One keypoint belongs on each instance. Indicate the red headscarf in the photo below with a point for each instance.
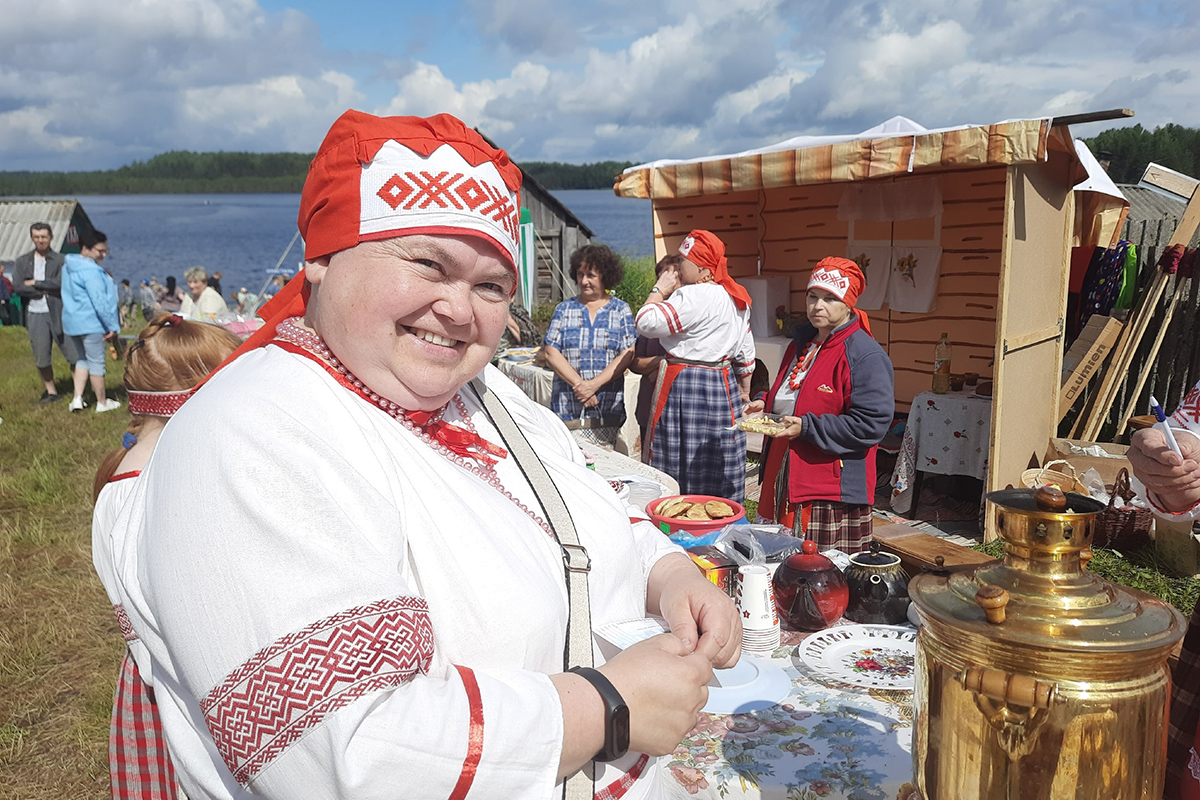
(381, 177)
(706, 251)
(843, 278)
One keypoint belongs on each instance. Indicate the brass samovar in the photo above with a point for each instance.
(1037, 679)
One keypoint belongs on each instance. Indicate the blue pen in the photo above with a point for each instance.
(1162, 425)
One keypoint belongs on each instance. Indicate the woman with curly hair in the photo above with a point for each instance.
(589, 344)
(170, 357)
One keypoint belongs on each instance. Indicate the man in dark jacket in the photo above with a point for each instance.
(37, 277)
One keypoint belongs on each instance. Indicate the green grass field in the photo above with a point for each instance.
(60, 646)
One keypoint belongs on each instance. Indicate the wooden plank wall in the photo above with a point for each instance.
(732, 216)
(790, 229)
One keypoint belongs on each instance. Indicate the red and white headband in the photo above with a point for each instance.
(158, 404)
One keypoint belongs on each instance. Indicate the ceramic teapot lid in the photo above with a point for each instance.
(808, 559)
(875, 558)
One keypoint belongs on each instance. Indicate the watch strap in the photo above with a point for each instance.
(616, 714)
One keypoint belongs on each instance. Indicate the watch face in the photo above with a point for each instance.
(620, 731)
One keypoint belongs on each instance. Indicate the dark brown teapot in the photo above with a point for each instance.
(878, 588)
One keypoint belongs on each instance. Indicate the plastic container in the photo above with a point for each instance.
(692, 526)
(941, 365)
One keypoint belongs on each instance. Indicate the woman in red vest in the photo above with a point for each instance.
(836, 392)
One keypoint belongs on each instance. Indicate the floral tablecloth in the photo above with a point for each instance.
(945, 433)
(823, 741)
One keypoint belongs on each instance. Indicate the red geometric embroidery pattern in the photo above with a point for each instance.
(446, 190)
(1189, 409)
(291, 685)
(126, 626)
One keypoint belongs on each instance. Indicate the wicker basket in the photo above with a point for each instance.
(1044, 476)
(1122, 528)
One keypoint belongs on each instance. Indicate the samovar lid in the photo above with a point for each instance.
(1039, 595)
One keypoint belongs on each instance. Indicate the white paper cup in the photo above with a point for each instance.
(756, 598)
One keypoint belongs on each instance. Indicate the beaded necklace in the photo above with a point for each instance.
(309, 343)
(804, 362)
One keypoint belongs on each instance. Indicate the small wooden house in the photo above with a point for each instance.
(990, 208)
(557, 234)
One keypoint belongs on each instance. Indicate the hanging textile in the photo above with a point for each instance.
(1102, 284)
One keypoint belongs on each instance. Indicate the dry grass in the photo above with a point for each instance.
(60, 646)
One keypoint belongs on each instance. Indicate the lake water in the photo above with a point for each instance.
(244, 235)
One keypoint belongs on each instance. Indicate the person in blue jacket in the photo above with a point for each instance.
(90, 316)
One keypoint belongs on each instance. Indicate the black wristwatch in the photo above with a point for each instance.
(616, 715)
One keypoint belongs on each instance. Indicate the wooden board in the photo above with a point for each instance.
(1087, 354)
(918, 550)
(1033, 297)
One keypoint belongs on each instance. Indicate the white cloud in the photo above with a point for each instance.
(561, 79)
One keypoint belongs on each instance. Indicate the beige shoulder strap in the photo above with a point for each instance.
(576, 562)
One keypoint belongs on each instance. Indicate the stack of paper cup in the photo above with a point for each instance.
(756, 602)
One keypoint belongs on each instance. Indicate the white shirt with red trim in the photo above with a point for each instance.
(1185, 421)
(109, 502)
(333, 609)
(700, 322)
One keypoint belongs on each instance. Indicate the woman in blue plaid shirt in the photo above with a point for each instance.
(589, 345)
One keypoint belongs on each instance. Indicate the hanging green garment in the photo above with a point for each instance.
(1128, 278)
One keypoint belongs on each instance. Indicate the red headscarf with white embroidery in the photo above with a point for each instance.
(706, 251)
(383, 177)
(843, 278)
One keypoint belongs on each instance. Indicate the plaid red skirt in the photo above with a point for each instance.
(834, 525)
(1185, 709)
(138, 762)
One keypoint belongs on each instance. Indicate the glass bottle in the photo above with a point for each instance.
(941, 365)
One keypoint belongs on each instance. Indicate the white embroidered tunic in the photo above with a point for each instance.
(700, 322)
(334, 609)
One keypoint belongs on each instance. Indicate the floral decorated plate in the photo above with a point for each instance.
(870, 656)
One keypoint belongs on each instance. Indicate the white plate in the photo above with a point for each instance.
(870, 656)
(751, 684)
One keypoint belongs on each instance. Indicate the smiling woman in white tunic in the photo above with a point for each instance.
(382, 611)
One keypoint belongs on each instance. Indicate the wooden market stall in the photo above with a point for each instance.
(978, 219)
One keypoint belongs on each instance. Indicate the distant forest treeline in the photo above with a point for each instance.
(1133, 148)
(183, 172)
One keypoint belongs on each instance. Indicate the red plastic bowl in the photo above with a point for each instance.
(695, 527)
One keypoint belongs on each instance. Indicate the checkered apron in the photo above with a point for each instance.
(834, 525)
(138, 763)
(690, 440)
(1185, 710)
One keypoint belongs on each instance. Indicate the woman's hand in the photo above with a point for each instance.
(753, 407)
(665, 685)
(667, 283)
(700, 614)
(586, 389)
(795, 425)
(1174, 481)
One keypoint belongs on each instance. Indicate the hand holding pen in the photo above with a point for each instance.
(1161, 424)
(1169, 470)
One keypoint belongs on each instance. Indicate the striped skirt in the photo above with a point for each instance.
(690, 436)
(834, 525)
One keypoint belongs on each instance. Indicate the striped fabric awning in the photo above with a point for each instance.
(877, 153)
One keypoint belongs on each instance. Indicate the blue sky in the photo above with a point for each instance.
(94, 84)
